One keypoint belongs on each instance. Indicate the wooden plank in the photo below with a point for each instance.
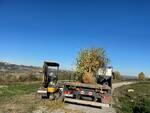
(84, 102)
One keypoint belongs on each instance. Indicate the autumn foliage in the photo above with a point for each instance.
(89, 61)
(89, 78)
(141, 76)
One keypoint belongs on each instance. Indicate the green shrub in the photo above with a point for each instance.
(22, 78)
(33, 78)
(142, 106)
(133, 102)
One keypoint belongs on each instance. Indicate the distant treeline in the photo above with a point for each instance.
(20, 73)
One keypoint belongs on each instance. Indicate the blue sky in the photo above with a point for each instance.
(32, 31)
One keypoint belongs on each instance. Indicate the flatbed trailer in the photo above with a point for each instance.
(87, 94)
(92, 86)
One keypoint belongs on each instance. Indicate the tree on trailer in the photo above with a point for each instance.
(89, 62)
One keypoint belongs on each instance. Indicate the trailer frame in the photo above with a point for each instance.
(76, 92)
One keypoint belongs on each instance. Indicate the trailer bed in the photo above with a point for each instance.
(92, 86)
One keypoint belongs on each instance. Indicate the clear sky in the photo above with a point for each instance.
(32, 31)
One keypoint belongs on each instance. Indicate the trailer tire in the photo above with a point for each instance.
(94, 99)
(99, 100)
(78, 96)
(106, 83)
(44, 97)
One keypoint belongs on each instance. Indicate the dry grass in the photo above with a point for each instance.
(28, 103)
(19, 104)
(19, 78)
(22, 98)
(72, 111)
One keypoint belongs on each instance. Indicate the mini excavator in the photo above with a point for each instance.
(50, 88)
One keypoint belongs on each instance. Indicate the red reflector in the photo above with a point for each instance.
(68, 92)
(65, 92)
(90, 93)
(82, 92)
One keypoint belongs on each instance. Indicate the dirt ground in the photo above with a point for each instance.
(30, 103)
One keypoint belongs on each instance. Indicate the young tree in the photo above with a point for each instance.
(117, 75)
(89, 61)
(141, 76)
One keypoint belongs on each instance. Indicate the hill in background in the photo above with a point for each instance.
(14, 69)
(23, 72)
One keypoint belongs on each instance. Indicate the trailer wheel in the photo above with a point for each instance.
(44, 97)
(94, 99)
(78, 96)
(99, 100)
(58, 95)
(105, 83)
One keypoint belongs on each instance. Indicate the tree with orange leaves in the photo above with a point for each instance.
(89, 61)
(141, 76)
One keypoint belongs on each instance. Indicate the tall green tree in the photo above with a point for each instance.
(89, 61)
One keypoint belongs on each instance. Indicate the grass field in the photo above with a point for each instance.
(22, 98)
(18, 97)
(10, 91)
(133, 98)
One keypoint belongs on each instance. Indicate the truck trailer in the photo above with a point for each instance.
(98, 95)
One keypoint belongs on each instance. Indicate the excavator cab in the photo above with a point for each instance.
(50, 71)
(49, 88)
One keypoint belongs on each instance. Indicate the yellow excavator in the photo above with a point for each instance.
(50, 87)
